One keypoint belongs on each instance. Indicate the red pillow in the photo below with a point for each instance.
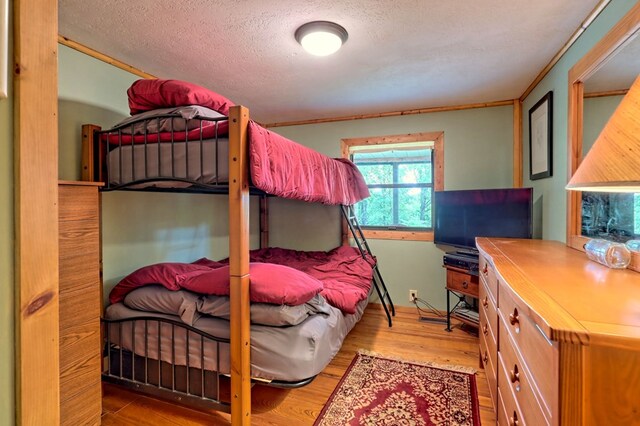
(270, 283)
(145, 95)
(160, 273)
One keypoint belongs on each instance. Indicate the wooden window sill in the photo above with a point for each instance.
(398, 235)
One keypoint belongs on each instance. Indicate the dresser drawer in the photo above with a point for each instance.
(540, 354)
(516, 378)
(462, 283)
(507, 410)
(489, 363)
(489, 343)
(488, 274)
(488, 313)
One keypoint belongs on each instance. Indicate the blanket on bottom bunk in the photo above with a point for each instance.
(288, 353)
(190, 307)
(278, 276)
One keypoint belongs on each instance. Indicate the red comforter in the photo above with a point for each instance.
(344, 275)
(287, 169)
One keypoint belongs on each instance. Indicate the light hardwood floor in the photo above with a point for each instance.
(408, 338)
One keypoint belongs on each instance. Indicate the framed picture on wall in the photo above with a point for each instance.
(540, 138)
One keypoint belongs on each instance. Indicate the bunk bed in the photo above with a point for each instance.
(166, 340)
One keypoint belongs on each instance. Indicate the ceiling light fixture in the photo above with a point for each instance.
(321, 38)
(613, 162)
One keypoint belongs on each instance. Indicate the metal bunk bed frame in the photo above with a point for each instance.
(138, 374)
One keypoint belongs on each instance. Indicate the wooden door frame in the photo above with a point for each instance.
(35, 118)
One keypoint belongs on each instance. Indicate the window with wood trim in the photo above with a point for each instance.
(402, 172)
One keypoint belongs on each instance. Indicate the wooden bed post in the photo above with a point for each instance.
(89, 173)
(239, 266)
(264, 221)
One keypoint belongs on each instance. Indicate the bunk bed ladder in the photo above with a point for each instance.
(356, 231)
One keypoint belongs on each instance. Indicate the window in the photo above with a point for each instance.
(401, 172)
(401, 184)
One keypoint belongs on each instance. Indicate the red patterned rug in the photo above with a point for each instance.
(381, 391)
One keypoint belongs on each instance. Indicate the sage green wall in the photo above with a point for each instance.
(138, 228)
(7, 324)
(89, 92)
(596, 113)
(478, 146)
(550, 192)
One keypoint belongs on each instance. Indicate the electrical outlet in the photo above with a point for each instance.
(413, 295)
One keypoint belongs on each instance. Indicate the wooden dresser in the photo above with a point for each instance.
(80, 303)
(560, 335)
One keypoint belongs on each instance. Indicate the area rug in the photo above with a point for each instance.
(377, 390)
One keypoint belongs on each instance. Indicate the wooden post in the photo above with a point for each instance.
(89, 154)
(517, 143)
(35, 77)
(574, 154)
(239, 266)
(264, 221)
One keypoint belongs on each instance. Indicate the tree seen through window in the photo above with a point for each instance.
(401, 184)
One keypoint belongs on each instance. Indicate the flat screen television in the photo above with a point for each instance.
(461, 216)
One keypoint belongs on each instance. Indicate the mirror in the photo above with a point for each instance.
(605, 88)
(614, 217)
(597, 83)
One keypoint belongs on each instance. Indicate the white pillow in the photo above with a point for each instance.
(149, 121)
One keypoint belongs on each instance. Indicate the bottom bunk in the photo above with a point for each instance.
(174, 343)
(281, 356)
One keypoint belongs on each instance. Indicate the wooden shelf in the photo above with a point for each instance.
(465, 320)
(462, 283)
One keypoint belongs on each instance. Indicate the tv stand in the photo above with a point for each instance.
(462, 283)
(471, 253)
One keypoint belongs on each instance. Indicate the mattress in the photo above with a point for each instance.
(129, 163)
(289, 353)
(278, 166)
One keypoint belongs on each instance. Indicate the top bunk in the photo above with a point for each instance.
(177, 140)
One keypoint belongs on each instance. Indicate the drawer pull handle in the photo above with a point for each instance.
(514, 319)
(465, 284)
(514, 376)
(485, 302)
(485, 270)
(485, 358)
(513, 421)
(485, 330)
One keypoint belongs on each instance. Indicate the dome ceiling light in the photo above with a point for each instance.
(321, 38)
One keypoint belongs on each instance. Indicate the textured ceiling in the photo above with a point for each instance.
(401, 54)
